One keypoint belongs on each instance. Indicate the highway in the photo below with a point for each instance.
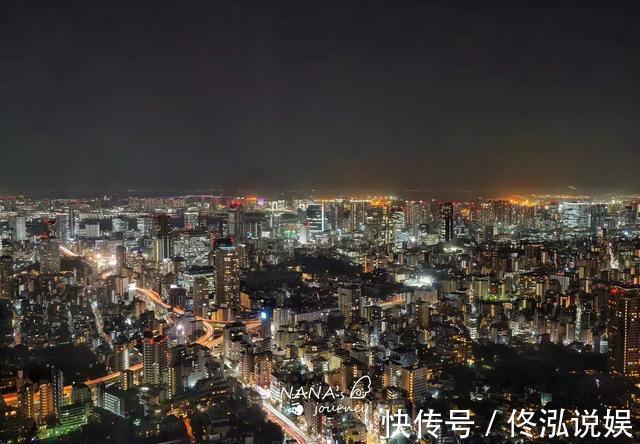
(289, 427)
(208, 340)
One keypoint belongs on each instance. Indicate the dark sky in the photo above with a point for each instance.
(120, 94)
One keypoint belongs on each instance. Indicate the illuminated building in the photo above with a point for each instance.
(624, 332)
(349, 300)
(6, 277)
(164, 240)
(227, 276)
(46, 402)
(414, 381)
(26, 400)
(57, 385)
(144, 225)
(19, 228)
(446, 222)
(200, 291)
(49, 254)
(315, 218)
(155, 359)
(120, 354)
(191, 220)
(574, 215)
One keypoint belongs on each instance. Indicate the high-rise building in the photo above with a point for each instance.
(230, 334)
(574, 215)
(19, 227)
(57, 385)
(446, 222)
(200, 291)
(62, 227)
(46, 402)
(191, 220)
(155, 359)
(144, 225)
(227, 276)
(121, 349)
(6, 277)
(624, 332)
(49, 254)
(26, 400)
(349, 301)
(315, 218)
(163, 235)
(71, 223)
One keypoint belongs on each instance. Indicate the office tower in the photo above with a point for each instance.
(49, 253)
(80, 393)
(92, 229)
(62, 227)
(144, 225)
(163, 235)
(235, 223)
(178, 297)
(423, 313)
(6, 277)
(26, 400)
(121, 350)
(315, 218)
(574, 215)
(446, 222)
(265, 325)
(57, 385)
(414, 381)
(155, 359)
(624, 332)
(121, 255)
(349, 300)
(46, 401)
(227, 276)
(18, 225)
(231, 333)
(191, 220)
(71, 223)
(598, 216)
(119, 224)
(200, 296)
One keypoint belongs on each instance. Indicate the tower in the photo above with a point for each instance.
(155, 359)
(446, 222)
(227, 276)
(624, 332)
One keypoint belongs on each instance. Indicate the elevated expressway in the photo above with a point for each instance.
(207, 339)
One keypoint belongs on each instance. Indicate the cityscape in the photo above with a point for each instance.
(319, 222)
(245, 319)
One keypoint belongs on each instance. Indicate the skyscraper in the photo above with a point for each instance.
(315, 218)
(227, 276)
(155, 359)
(6, 277)
(121, 350)
(57, 385)
(19, 227)
(26, 400)
(624, 332)
(200, 296)
(446, 222)
(163, 235)
(49, 254)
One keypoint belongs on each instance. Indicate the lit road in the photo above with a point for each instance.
(289, 427)
(206, 340)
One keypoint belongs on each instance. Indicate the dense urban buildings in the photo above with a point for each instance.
(416, 304)
(408, 222)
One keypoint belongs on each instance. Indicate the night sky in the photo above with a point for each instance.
(345, 95)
